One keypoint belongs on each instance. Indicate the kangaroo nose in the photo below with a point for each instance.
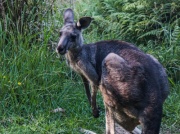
(61, 50)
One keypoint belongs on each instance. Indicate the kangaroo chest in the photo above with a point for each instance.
(86, 55)
(71, 61)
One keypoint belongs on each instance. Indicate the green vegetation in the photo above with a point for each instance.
(34, 80)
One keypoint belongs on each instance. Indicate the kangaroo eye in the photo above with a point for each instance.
(73, 36)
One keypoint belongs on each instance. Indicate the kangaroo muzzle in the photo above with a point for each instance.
(62, 45)
(61, 50)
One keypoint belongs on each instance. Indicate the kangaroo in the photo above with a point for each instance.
(133, 84)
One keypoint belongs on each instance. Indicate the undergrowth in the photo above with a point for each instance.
(34, 80)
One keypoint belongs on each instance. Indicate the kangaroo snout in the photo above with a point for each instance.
(61, 50)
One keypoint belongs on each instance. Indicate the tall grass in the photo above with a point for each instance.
(34, 80)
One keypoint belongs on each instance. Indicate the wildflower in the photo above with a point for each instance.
(19, 83)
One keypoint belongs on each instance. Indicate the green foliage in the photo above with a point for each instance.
(137, 21)
(25, 17)
(171, 111)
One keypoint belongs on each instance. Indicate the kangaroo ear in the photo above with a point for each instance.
(83, 22)
(68, 16)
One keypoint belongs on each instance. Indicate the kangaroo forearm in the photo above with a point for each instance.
(89, 72)
(87, 89)
(95, 110)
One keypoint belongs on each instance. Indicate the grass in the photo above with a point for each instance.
(41, 120)
(34, 80)
(33, 83)
(171, 116)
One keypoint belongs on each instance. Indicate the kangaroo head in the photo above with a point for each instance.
(71, 33)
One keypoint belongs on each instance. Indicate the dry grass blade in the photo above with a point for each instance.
(86, 131)
(58, 110)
